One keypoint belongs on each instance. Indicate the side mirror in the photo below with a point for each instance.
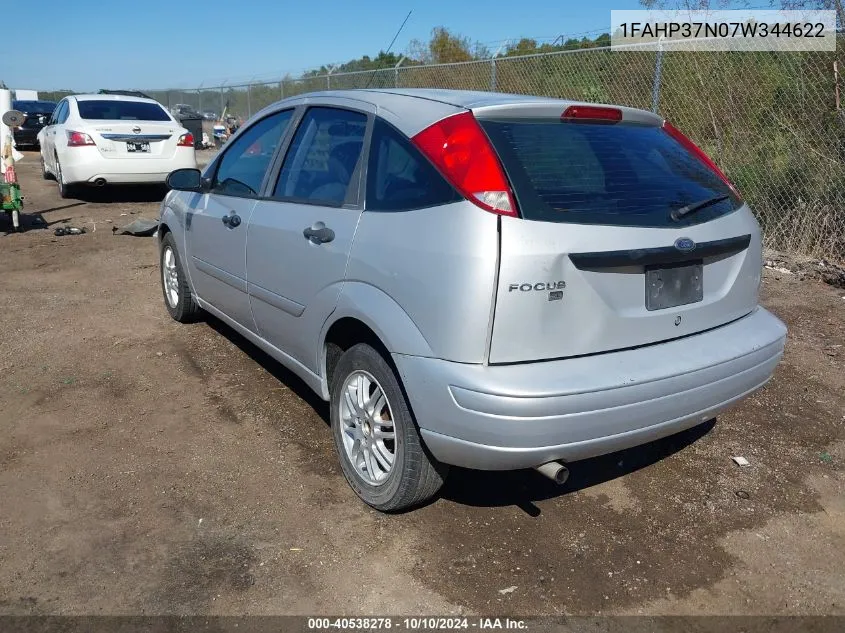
(185, 180)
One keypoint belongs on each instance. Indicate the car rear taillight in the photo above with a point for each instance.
(699, 153)
(591, 113)
(78, 139)
(186, 140)
(460, 149)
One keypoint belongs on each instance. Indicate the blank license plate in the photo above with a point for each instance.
(670, 285)
(137, 147)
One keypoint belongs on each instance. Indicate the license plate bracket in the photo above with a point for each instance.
(139, 146)
(672, 285)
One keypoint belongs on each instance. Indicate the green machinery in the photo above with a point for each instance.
(11, 201)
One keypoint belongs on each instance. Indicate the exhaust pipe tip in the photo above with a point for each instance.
(100, 182)
(556, 471)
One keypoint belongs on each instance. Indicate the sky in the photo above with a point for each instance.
(159, 44)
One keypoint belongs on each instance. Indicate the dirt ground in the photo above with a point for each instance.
(148, 467)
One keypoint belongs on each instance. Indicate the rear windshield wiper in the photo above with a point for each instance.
(677, 214)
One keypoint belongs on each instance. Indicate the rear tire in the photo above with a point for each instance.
(44, 173)
(368, 407)
(178, 298)
(65, 190)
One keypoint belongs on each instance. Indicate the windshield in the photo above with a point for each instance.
(113, 110)
(34, 107)
(596, 173)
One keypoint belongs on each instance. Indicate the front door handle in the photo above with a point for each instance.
(232, 220)
(318, 233)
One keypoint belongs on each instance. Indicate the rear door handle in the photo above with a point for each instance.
(233, 220)
(318, 233)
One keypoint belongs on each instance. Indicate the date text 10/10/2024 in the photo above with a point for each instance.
(415, 624)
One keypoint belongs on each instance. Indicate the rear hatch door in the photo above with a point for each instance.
(597, 262)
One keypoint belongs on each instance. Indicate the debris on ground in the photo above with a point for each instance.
(740, 461)
(827, 458)
(142, 227)
(805, 268)
(69, 230)
(507, 590)
(780, 269)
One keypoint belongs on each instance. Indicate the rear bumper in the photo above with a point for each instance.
(117, 178)
(517, 416)
(85, 164)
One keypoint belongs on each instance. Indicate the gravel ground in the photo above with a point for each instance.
(148, 467)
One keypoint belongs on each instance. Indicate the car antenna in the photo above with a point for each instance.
(392, 42)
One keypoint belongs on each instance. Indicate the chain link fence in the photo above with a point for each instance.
(771, 120)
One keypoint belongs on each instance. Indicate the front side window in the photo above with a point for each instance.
(241, 169)
(322, 157)
(399, 177)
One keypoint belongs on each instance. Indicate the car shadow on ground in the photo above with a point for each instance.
(108, 194)
(36, 221)
(33, 221)
(271, 365)
(490, 489)
(522, 488)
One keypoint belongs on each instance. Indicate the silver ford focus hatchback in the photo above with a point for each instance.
(476, 279)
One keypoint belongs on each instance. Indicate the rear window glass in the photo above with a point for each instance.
(620, 174)
(34, 107)
(122, 111)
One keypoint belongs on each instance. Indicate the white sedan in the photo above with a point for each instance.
(112, 139)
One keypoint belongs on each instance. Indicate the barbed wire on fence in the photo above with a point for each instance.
(771, 120)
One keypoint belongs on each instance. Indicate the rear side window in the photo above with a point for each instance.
(62, 112)
(322, 157)
(121, 111)
(595, 173)
(399, 177)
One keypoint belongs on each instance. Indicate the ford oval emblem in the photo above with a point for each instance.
(684, 244)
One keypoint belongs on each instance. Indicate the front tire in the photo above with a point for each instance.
(178, 298)
(380, 450)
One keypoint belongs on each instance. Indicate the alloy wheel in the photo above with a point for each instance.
(369, 436)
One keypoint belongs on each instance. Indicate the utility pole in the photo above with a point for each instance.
(396, 71)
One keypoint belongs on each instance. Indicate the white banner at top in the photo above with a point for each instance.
(724, 30)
